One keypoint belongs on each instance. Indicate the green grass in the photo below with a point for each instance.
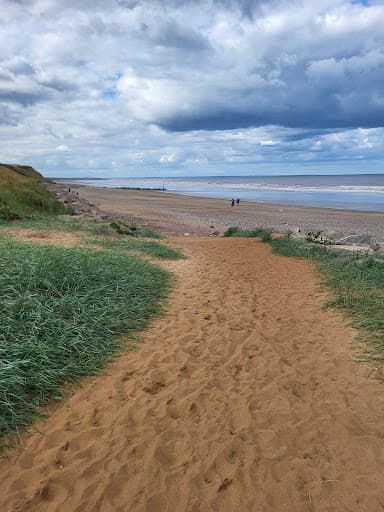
(262, 233)
(16, 171)
(149, 248)
(148, 233)
(73, 224)
(61, 311)
(65, 223)
(296, 248)
(18, 201)
(27, 199)
(122, 228)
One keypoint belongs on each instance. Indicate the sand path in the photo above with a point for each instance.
(243, 398)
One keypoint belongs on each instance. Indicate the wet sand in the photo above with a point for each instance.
(176, 214)
(243, 397)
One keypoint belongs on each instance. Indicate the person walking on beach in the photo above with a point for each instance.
(232, 202)
(237, 201)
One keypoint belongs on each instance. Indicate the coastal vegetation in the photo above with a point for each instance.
(355, 280)
(61, 311)
(65, 311)
(68, 223)
(23, 194)
(262, 233)
(122, 228)
(150, 248)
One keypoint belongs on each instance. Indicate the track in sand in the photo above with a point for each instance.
(244, 397)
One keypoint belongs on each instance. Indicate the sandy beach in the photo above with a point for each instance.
(244, 396)
(177, 214)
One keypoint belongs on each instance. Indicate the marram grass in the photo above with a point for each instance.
(61, 313)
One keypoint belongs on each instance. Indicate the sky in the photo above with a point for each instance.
(130, 88)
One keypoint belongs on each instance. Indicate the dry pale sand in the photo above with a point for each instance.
(244, 397)
(176, 214)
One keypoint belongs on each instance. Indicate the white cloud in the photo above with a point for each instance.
(62, 148)
(269, 142)
(196, 84)
(167, 159)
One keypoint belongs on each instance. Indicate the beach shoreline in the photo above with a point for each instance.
(350, 192)
(175, 214)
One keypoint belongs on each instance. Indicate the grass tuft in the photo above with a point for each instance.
(123, 228)
(262, 233)
(149, 248)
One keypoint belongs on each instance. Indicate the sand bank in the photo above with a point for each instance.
(176, 214)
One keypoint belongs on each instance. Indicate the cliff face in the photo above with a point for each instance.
(18, 174)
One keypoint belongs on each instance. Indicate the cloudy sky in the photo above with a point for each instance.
(192, 87)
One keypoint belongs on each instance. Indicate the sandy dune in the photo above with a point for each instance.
(244, 397)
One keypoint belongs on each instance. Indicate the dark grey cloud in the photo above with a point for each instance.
(304, 135)
(314, 70)
(293, 105)
(290, 117)
(25, 99)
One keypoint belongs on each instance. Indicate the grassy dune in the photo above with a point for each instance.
(23, 194)
(63, 311)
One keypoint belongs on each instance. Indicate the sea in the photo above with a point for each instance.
(354, 192)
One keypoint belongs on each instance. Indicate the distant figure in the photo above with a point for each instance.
(69, 190)
(233, 202)
(237, 201)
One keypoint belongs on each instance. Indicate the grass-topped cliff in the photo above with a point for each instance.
(23, 194)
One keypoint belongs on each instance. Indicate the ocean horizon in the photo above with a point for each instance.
(363, 192)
